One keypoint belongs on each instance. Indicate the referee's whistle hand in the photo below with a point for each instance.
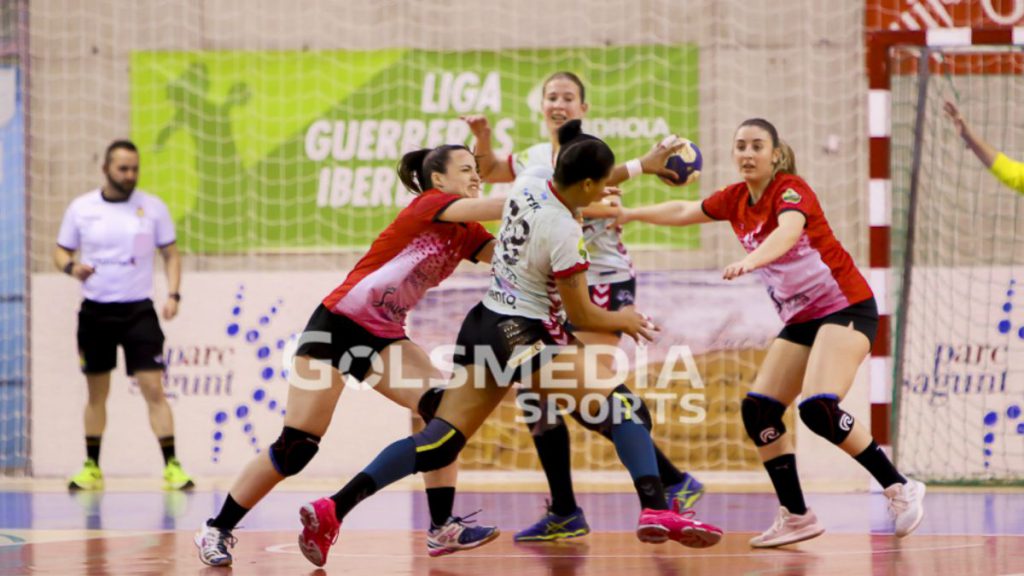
(82, 271)
(170, 309)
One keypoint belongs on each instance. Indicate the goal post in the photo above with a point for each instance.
(946, 249)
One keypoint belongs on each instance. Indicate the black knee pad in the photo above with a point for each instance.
(539, 417)
(762, 417)
(428, 403)
(292, 450)
(822, 414)
(623, 404)
(437, 445)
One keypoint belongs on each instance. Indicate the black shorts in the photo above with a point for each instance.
(342, 334)
(863, 315)
(516, 346)
(612, 296)
(102, 327)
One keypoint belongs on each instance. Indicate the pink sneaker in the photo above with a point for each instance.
(319, 530)
(789, 528)
(657, 526)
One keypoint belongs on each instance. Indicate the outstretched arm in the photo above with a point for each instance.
(982, 149)
(673, 213)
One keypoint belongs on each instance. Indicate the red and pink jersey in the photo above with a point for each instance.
(817, 276)
(412, 255)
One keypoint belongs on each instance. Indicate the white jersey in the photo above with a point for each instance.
(609, 260)
(118, 239)
(539, 241)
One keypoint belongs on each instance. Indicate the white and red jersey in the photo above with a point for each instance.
(610, 262)
(539, 241)
(412, 255)
(817, 276)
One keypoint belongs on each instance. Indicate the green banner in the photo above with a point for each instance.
(294, 151)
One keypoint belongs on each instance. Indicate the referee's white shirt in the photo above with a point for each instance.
(118, 239)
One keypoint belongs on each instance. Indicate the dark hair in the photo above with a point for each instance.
(764, 125)
(581, 156)
(118, 145)
(565, 76)
(787, 158)
(416, 168)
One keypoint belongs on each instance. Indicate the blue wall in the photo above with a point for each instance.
(13, 328)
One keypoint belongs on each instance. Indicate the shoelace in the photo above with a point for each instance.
(780, 521)
(464, 520)
(899, 503)
(223, 541)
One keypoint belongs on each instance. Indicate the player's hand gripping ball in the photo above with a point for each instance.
(687, 163)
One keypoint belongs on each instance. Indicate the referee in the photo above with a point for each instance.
(116, 228)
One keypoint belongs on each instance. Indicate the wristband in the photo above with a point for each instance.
(69, 267)
(176, 296)
(634, 168)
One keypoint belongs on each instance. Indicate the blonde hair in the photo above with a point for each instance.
(787, 160)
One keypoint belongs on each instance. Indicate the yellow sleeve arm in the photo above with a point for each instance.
(1009, 172)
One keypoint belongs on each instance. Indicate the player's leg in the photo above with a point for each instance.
(611, 408)
(405, 379)
(90, 477)
(315, 385)
(97, 351)
(308, 413)
(461, 412)
(840, 348)
(143, 343)
(776, 387)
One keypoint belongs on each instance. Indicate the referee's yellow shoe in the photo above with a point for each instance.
(175, 478)
(90, 477)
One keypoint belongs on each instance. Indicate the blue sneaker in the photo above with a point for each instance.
(456, 535)
(684, 495)
(555, 527)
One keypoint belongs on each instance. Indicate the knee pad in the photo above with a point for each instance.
(537, 413)
(292, 450)
(822, 414)
(623, 404)
(428, 403)
(762, 417)
(437, 445)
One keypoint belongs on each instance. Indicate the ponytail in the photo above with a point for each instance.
(787, 159)
(416, 168)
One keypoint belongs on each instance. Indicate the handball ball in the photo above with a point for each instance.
(687, 163)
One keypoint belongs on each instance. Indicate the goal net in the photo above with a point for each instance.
(958, 247)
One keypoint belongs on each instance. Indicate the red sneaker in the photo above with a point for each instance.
(657, 526)
(319, 530)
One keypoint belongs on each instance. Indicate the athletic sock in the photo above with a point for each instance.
(879, 465)
(231, 513)
(782, 471)
(440, 501)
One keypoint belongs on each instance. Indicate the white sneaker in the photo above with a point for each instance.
(213, 544)
(789, 528)
(905, 505)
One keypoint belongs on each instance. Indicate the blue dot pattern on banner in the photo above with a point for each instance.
(264, 380)
(991, 419)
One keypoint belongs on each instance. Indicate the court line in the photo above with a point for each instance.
(285, 549)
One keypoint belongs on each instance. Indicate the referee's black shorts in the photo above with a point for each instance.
(102, 327)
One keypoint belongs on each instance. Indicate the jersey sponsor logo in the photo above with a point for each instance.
(582, 247)
(140, 212)
(397, 310)
(791, 196)
(113, 262)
